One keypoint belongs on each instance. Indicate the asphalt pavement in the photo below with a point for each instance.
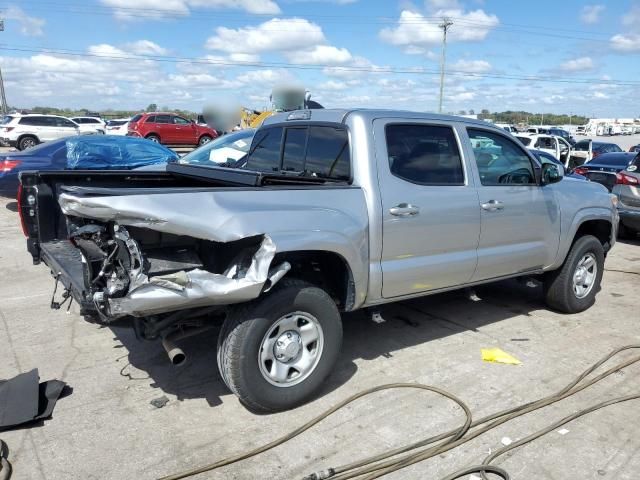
(108, 429)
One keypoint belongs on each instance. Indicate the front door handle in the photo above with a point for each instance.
(404, 210)
(492, 205)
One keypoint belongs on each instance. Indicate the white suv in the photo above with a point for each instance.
(90, 125)
(26, 131)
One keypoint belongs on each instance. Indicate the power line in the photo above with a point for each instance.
(329, 67)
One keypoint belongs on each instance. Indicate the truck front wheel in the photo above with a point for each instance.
(275, 352)
(573, 287)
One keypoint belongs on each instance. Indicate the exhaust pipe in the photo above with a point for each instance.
(176, 356)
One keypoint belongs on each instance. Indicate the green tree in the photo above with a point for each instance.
(152, 107)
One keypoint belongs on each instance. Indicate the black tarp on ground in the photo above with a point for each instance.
(23, 399)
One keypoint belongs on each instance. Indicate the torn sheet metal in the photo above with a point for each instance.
(199, 288)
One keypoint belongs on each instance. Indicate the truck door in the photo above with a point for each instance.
(520, 219)
(430, 212)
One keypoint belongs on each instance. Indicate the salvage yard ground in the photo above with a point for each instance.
(107, 428)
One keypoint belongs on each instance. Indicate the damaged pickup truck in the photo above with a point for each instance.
(331, 211)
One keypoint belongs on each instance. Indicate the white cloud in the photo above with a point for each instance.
(145, 47)
(600, 95)
(590, 14)
(320, 55)
(632, 17)
(106, 50)
(166, 9)
(268, 76)
(577, 65)
(273, 35)
(471, 66)
(333, 85)
(626, 42)
(29, 26)
(244, 57)
(414, 29)
(461, 97)
(359, 66)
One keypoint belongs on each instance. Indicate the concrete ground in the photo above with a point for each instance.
(107, 428)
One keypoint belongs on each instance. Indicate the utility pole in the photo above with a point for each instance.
(2, 95)
(446, 23)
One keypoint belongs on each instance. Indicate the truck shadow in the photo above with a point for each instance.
(406, 324)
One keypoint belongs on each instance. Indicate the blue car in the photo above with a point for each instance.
(85, 152)
(603, 169)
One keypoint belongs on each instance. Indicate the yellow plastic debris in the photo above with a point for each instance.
(495, 355)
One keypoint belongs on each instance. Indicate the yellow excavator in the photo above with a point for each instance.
(283, 99)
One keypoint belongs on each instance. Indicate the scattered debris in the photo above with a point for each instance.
(506, 441)
(495, 355)
(519, 339)
(473, 296)
(160, 401)
(563, 431)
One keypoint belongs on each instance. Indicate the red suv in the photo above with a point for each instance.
(170, 129)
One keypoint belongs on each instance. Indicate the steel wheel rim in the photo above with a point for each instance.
(291, 349)
(154, 139)
(584, 276)
(204, 140)
(28, 143)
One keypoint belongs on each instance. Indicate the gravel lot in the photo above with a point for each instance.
(107, 429)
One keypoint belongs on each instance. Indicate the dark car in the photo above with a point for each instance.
(635, 148)
(604, 169)
(545, 157)
(559, 132)
(170, 129)
(598, 148)
(86, 152)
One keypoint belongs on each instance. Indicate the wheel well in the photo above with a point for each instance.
(27, 135)
(601, 229)
(152, 134)
(327, 270)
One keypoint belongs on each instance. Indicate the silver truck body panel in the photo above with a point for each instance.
(450, 243)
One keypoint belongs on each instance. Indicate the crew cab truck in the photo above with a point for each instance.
(332, 211)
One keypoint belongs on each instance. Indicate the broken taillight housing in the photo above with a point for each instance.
(624, 179)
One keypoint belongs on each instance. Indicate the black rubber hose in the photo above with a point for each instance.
(381, 464)
(458, 433)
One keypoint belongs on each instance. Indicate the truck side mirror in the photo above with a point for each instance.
(551, 173)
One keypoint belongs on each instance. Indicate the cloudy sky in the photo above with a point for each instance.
(554, 56)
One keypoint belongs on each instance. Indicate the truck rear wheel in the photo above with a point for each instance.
(573, 287)
(275, 352)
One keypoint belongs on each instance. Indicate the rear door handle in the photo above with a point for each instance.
(492, 206)
(404, 210)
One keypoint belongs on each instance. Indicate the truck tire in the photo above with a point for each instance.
(274, 353)
(573, 287)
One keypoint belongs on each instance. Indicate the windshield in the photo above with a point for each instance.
(582, 146)
(524, 140)
(227, 149)
(613, 160)
(116, 123)
(136, 118)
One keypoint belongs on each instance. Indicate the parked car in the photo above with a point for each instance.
(627, 189)
(545, 157)
(604, 168)
(90, 152)
(90, 125)
(586, 150)
(556, 146)
(508, 127)
(538, 130)
(559, 132)
(581, 130)
(335, 210)
(170, 129)
(27, 131)
(635, 148)
(118, 126)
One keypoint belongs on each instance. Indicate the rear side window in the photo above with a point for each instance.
(63, 122)
(35, 121)
(581, 146)
(424, 154)
(526, 141)
(150, 119)
(163, 119)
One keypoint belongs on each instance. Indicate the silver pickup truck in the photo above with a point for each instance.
(331, 211)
